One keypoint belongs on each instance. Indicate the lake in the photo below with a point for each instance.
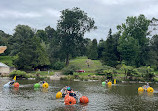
(119, 97)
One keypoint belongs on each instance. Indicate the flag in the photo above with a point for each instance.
(14, 78)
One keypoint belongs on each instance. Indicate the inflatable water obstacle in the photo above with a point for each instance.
(71, 97)
(43, 84)
(109, 82)
(145, 88)
(12, 83)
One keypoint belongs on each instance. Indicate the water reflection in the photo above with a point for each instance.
(45, 90)
(140, 93)
(36, 89)
(15, 90)
(69, 108)
(150, 94)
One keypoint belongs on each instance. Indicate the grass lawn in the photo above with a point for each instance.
(83, 62)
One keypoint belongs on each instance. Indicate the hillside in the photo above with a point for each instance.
(83, 62)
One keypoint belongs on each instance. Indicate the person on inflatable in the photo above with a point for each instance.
(145, 87)
(11, 82)
(43, 82)
(71, 92)
(64, 91)
(106, 81)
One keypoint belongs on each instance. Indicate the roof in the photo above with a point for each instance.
(3, 65)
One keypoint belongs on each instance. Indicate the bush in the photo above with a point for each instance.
(19, 74)
(100, 71)
(146, 72)
(58, 65)
(70, 69)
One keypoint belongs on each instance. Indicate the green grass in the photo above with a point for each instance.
(83, 73)
(81, 62)
(8, 60)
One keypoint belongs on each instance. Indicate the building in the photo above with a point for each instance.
(4, 69)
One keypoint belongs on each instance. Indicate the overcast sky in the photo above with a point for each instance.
(39, 14)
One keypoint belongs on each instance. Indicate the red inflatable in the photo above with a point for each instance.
(70, 100)
(84, 99)
(16, 84)
(66, 96)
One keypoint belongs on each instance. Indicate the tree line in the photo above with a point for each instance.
(132, 44)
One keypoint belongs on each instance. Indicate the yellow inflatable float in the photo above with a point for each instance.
(150, 89)
(45, 85)
(140, 89)
(59, 95)
(109, 83)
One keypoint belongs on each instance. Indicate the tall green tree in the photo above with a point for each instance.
(93, 53)
(71, 27)
(30, 52)
(23, 33)
(153, 58)
(50, 34)
(128, 49)
(109, 55)
(136, 29)
(101, 47)
(42, 35)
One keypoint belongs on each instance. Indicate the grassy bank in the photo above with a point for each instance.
(86, 64)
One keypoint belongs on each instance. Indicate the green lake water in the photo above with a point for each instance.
(119, 97)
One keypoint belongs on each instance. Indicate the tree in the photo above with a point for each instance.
(93, 53)
(109, 55)
(50, 34)
(32, 55)
(23, 33)
(153, 58)
(128, 49)
(101, 47)
(136, 29)
(30, 52)
(71, 27)
(42, 34)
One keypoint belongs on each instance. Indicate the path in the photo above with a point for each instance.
(56, 76)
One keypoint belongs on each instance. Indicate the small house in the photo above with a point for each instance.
(4, 69)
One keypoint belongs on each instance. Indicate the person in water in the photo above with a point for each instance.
(107, 80)
(70, 92)
(12, 82)
(146, 86)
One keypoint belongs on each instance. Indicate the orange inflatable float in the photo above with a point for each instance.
(66, 96)
(16, 85)
(84, 99)
(70, 100)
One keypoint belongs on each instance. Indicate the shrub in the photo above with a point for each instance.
(146, 72)
(18, 74)
(58, 65)
(70, 69)
(100, 71)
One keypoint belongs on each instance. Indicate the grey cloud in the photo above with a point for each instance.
(41, 13)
